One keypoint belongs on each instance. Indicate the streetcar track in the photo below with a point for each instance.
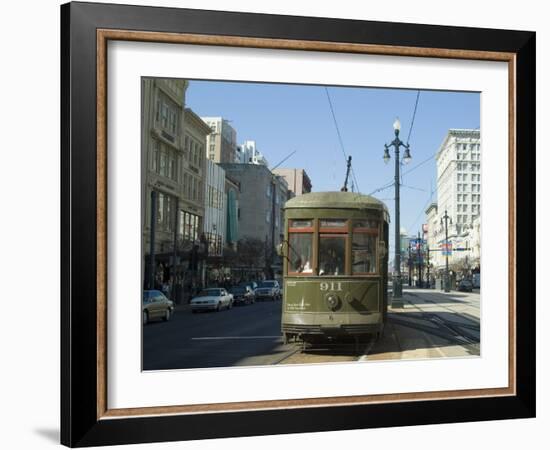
(286, 356)
(473, 322)
(451, 337)
(453, 326)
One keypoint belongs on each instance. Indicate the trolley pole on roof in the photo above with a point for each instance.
(345, 187)
(397, 301)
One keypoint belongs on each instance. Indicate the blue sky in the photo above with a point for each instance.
(282, 118)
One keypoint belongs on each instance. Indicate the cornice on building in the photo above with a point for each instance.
(193, 119)
(457, 133)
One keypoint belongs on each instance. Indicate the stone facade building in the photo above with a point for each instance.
(163, 156)
(458, 194)
(459, 178)
(173, 173)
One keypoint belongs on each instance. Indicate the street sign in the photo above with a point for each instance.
(447, 248)
(417, 244)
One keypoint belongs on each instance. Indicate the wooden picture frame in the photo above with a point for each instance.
(86, 418)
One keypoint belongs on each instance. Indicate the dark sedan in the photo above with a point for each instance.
(242, 295)
(465, 286)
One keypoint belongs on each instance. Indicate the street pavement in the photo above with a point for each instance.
(432, 324)
(244, 335)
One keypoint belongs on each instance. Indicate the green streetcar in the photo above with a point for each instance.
(335, 256)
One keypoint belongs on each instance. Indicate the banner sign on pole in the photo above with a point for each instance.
(447, 248)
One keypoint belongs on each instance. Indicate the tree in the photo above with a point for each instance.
(251, 252)
(462, 265)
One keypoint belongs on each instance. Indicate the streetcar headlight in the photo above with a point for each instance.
(332, 301)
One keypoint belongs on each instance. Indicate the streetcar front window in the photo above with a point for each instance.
(300, 253)
(363, 253)
(363, 246)
(332, 253)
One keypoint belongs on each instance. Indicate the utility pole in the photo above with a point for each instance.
(419, 260)
(175, 255)
(410, 264)
(273, 212)
(152, 239)
(428, 279)
(447, 281)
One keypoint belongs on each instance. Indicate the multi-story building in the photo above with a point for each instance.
(249, 154)
(215, 209)
(221, 145)
(297, 179)
(459, 177)
(433, 235)
(191, 210)
(458, 195)
(262, 198)
(163, 167)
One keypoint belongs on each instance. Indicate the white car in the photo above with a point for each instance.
(268, 289)
(212, 299)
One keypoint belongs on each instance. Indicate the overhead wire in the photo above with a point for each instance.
(412, 169)
(414, 116)
(422, 210)
(340, 140)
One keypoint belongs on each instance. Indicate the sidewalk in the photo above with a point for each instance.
(439, 302)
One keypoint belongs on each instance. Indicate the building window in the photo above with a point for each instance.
(155, 150)
(188, 226)
(163, 160)
(167, 114)
(165, 212)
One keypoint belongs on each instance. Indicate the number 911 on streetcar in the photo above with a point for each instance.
(335, 266)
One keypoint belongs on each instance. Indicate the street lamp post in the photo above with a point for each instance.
(397, 301)
(446, 281)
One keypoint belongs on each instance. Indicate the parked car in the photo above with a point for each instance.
(156, 306)
(476, 280)
(268, 289)
(213, 299)
(465, 286)
(242, 295)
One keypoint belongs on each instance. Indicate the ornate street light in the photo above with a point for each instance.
(397, 301)
(447, 280)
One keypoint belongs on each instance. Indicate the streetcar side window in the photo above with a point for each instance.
(300, 253)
